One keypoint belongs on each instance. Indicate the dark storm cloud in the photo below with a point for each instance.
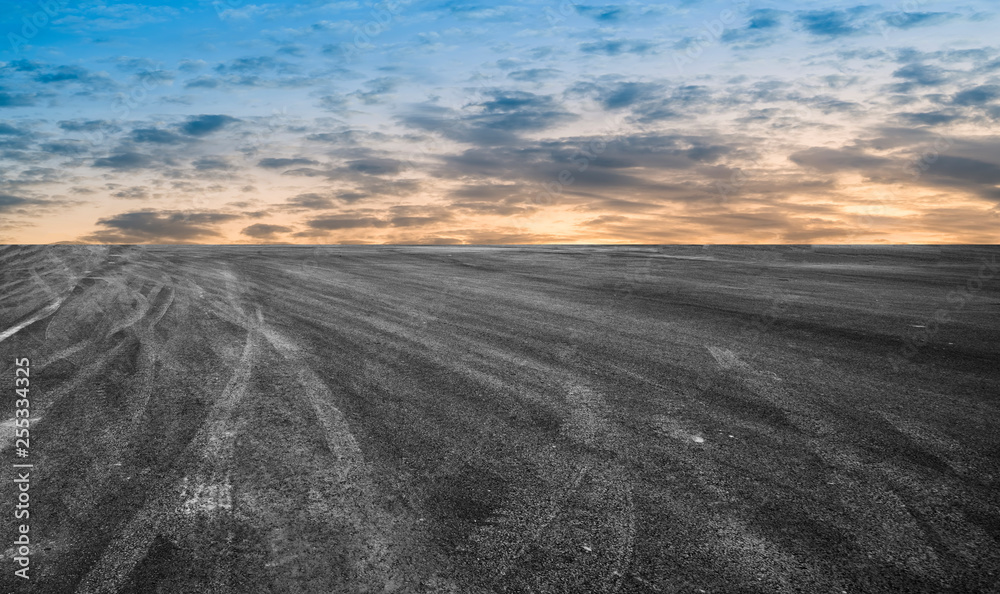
(159, 227)
(280, 163)
(206, 124)
(265, 231)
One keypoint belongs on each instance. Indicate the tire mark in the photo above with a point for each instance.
(511, 522)
(355, 503)
(206, 490)
(48, 311)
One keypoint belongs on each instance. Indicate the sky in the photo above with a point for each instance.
(545, 121)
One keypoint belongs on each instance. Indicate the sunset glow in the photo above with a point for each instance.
(223, 121)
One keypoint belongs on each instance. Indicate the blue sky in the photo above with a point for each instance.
(531, 122)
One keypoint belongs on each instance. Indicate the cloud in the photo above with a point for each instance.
(312, 201)
(156, 136)
(533, 74)
(265, 231)
(977, 95)
(206, 124)
(16, 100)
(9, 202)
(8, 130)
(64, 148)
(909, 20)
(497, 120)
(921, 75)
(133, 193)
(929, 118)
(625, 94)
(617, 47)
(159, 227)
(603, 14)
(126, 161)
(339, 222)
(834, 160)
(831, 23)
(375, 166)
(763, 28)
(87, 125)
(280, 163)
(211, 164)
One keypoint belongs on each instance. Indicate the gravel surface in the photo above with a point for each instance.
(680, 419)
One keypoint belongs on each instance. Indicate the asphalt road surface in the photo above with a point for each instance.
(505, 419)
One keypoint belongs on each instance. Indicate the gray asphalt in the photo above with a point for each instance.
(507, 419)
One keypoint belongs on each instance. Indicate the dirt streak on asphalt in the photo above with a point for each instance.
(462, 420)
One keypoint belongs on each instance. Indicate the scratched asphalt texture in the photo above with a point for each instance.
(638, 419)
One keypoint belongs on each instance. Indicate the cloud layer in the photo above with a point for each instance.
(428, 122)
